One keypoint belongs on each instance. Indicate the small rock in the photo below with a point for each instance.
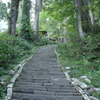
(17, 67)
(10, 86)
(11, 72)
(68, 71)
(97, 89)
(83, 85)
(3, 83)
(4, 78)
(67, 76)
(90, 91)
(93, 98)
(68, 68)
(77, 82)
(85, 78)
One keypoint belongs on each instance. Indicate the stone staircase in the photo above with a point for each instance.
(43, 79)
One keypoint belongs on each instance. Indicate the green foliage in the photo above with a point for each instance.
(25, 23)
(96, 94)
(95, 77)
(2, 91)
(82, 57)
(58, 17)
(12, 48)
(3, 10)
(48, 23)
(12, 51)
(43, 41)
(58, 10)
(96, 28)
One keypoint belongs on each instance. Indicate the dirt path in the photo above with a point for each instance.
(42, 79)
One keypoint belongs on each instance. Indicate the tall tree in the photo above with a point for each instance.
(13, 16)
(86, 19)
(78, 12)
(91, 11)
(99, 11)
(25, 22)
(36, 23)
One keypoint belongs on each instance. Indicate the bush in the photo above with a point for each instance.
(11, 49)
(43, 41)
(96, 28)
(82, 57)
(96, 94)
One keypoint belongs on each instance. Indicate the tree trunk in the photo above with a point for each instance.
(65, 30)
(91, 13)
(36, 23)
(99, 12)
(78, 12)
(65, 37)
(25, 22)
(86, 20)
(13, 16)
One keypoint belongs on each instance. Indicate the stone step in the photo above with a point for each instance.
(26, 96)
(50, 76)
(45, 93)
(46, 80)
(63, 90)
(44, 71)
(43, 84)
(60, 81)
(51, 93)
(41, 76)
(46, 86)
(33, 71)
(34, 80)
(67, 94)
(42, 79)
(27, 83)
(44, 68)
(30, 89)
(40, 63)
(60, 87)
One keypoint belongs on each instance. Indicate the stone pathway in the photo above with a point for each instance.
(42, 79)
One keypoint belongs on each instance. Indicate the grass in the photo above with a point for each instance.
(4, 72)
(96, 94)
(80, 66)
(13, 50)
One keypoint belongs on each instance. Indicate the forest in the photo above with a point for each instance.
(72, 25)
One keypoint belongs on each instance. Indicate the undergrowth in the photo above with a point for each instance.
(83, 57)
(12, 51)
(44, 41)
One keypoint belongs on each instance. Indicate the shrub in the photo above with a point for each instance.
(12, 48)
(43, 41)
(82, 57)
(96, 28)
